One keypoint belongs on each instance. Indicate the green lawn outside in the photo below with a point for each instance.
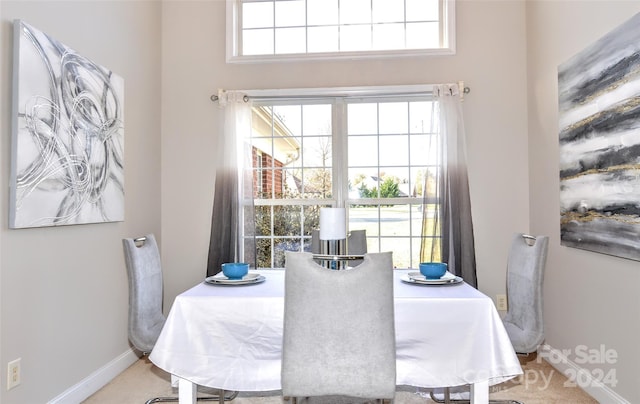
(398, 230)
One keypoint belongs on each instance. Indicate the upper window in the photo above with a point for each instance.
(269, 30)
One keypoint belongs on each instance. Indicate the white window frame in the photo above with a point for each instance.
(233, 35)
(339, 162)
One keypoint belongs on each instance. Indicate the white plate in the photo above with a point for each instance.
(417, 278)
(249, 279)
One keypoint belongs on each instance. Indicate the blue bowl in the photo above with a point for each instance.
(433, 270)
(235, 270)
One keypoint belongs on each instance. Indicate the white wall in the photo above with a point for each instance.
(491, 59)
(64, 290)
(591, 299)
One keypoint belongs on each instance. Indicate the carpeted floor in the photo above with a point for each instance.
(540, 384)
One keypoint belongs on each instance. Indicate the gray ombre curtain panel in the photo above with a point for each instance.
(233, 198)
(452, 216)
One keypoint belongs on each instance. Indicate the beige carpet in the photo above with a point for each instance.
(540, 384)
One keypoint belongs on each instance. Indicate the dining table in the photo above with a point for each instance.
(230, 337)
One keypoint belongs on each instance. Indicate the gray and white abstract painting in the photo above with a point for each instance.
(599, 114)
(68, 136)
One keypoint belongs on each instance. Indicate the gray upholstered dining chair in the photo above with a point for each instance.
(357, 242)
(339, 332)
(525, 278)
(144, 271)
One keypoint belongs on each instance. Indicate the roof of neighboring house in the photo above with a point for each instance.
(269, 129)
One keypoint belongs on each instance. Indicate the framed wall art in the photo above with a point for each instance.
(599, 114)
(68, 136)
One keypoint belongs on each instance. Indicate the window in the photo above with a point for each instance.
(264, 30)
(372, 155)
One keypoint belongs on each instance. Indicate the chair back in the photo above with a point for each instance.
(144, 271)
(357, 245)
(357, 242)
(525, 276)
(339, 332)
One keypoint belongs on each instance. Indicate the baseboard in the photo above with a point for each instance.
(580, 377)
(95, 381)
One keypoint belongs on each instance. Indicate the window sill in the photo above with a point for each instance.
(334, 56)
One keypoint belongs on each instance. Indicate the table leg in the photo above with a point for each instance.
(479, 393)
(187, 391)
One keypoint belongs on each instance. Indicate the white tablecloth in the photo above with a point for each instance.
(230, 337)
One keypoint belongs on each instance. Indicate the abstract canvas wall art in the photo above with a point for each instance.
(68, 136)
(599, 114)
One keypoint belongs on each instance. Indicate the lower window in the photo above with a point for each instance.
(377, 157)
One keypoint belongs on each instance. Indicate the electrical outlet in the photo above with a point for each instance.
(501, 302)
(13, 373)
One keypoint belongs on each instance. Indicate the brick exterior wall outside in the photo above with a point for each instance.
(271, 173)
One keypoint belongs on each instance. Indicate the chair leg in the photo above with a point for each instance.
(161, 400)
(294, 400)
(221, 398)
(447, 399)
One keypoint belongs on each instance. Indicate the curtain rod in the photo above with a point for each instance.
(246, 98)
